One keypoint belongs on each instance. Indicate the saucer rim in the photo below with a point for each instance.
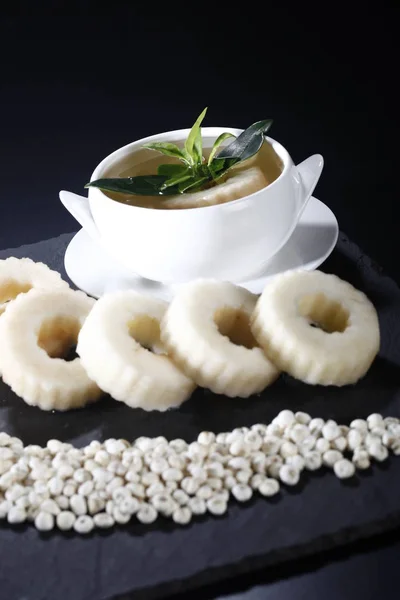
(248, 283)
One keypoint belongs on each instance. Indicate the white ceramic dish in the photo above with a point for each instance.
(95, 272)
(225, 241)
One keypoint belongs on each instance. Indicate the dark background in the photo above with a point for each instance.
(74, 88)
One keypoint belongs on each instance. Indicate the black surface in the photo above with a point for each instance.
(321, 513)
(339, 573)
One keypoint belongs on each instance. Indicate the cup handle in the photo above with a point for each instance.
(310, 171)
(78, 207)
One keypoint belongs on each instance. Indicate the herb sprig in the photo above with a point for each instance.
(192, 172)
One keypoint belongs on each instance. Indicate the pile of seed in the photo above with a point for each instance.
(107, 483)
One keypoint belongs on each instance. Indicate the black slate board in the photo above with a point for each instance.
(151, 561)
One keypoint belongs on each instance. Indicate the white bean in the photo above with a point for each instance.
(289, 475)
(339, 443)
(5, 506)
(64, 471)
(253, 440)
(182, 515)
(322, 445)
(214, 469)
(178, 445)
(284, 419)
(370, 438)
(307, 444)
(83, 524)
(196, 451)
(95, 504)
(204, 492)
(229, 482)
(374, 420)
(361, 459)
(330, 457)
(242, 492)
(215, 483)
(296, 461)
(50, 506)
(190, 485)
(274, 466)
(150, 478)
(205, 438)
(298, 433)
(158, 465)
(102, 458)
(359, 424)
(197, 505)
(197, 472)
(54, 446)
(16, 515)
(259, 462)
(378, 451)
(331, 431)
(269, 487)
(44, 521)
(136, 489)
(65, 520)
(343, 468)
(180, 497)
(132, 476)
(121, 517)
(115, 483)
(271, 445)
(146, 514)
(78, 504)
(256, 480)
(274, 429)
(81, 475)
(129, 505)
(316, 425)
(103, 520)
(156, 488)
(177, 462)
(85, 489)
(354, 438)
(163, 503)
(55, 486)
(313, 460)
(216, 506)
(388, 421)
(238, 448)
(388, 439)
(172, 474)
(288, 449)
(302, 417)
(15, 492)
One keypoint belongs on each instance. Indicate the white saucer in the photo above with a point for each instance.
(95, 272)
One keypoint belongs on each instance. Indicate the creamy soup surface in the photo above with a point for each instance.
(242, 180)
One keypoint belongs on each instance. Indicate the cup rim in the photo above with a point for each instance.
(176, 136)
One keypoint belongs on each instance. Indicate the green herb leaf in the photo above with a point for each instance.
(221, 138)
(193, 175)
(178, 178)
(193, 144)
(142, 185)
(220, 166)
(171, 170)
(193, 185)
(248, 143)
(168, 149)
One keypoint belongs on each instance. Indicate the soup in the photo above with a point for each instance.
(242, 180)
